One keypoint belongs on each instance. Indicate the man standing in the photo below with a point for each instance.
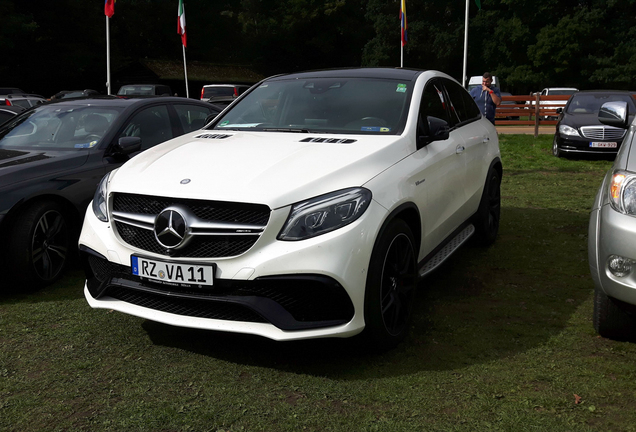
(487, 97)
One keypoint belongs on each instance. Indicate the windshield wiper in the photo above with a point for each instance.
(286, 130)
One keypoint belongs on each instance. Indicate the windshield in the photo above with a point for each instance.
(591, 103)
(58, 127)
(328, 105)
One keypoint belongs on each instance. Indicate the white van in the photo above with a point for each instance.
(475, 81)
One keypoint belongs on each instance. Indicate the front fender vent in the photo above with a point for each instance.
(329, 140)
(213, 136)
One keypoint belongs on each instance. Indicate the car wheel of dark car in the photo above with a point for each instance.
(390, 288)
(610, 320)
(40, 241)
(489, 213)
(556, 151)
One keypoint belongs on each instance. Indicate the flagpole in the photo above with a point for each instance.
(107, 54)
(185, 70)
(465, 46)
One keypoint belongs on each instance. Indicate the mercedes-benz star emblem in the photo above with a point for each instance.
(170, 228)
(185, 181)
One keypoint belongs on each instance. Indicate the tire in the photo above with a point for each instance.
(556, 151)
(390, 288)
(39, 245)
(610, 320)
(489, 213)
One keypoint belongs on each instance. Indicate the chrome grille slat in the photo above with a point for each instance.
(602, 133)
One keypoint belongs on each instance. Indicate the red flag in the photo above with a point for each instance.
(403, 22)
(109, 8)
(181, 25)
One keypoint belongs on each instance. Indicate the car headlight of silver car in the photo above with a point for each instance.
(568, 130)
(622, 192)
(99, 200)
(325, 213)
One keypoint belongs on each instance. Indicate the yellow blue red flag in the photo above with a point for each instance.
(403, 22)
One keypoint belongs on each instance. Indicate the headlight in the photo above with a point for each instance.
(325, 213)
(99, 200)
(567, 130)
(622, 192)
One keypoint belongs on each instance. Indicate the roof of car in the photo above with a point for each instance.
(560, 88)
(390, 73)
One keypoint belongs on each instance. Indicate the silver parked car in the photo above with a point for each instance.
(612, 235)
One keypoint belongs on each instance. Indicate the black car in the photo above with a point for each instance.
(51, 159)
(579, 131)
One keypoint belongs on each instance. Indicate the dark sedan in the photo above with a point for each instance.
(51, 159)
(580, 132)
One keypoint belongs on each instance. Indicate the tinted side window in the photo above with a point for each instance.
(151, 124)
(192, 117)
(434, 102)
(463, 107)
(21, 102)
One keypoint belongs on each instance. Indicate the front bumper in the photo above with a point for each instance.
(612, 233)
(278, 289)
(573, 144)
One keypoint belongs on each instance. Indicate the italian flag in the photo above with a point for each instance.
(181, 26)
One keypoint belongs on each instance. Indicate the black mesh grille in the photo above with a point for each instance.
(199, 246)
(208, 210)
(186, 307)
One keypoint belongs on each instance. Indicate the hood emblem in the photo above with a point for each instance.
(185, 181)
(171, 228)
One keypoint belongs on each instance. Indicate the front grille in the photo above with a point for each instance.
(186, 307)
(200, 246)
(602, 133)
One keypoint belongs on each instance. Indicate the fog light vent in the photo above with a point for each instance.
(620, 266)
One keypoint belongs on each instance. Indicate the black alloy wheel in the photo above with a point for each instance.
(391, 285)
(40, 245)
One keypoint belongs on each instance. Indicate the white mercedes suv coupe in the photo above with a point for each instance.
(309, 208)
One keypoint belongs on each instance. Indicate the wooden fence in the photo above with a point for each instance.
(533, 110)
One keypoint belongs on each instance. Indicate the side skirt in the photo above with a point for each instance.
(437, 257)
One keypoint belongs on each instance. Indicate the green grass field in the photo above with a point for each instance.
(502, 341)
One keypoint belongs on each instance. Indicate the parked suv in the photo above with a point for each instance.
(310, 208)
(23, 100)
(144, 90)
(221, 92)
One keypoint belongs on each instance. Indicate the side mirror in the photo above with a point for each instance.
(431, 129)
(559, 110)
(614, 114)
(127, 145)
(210, 117)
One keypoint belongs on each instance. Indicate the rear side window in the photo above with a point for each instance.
(192, 117)
(463, 108)
(434, 102)
(21, 102)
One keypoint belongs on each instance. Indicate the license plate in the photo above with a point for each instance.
(173, 273)
(604, 144)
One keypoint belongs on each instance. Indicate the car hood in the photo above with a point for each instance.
(271, 168)
(21, 165)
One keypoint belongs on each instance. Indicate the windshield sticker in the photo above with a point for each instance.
(86, 145)
(401, 88)
(224, 123)
(375, 129)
